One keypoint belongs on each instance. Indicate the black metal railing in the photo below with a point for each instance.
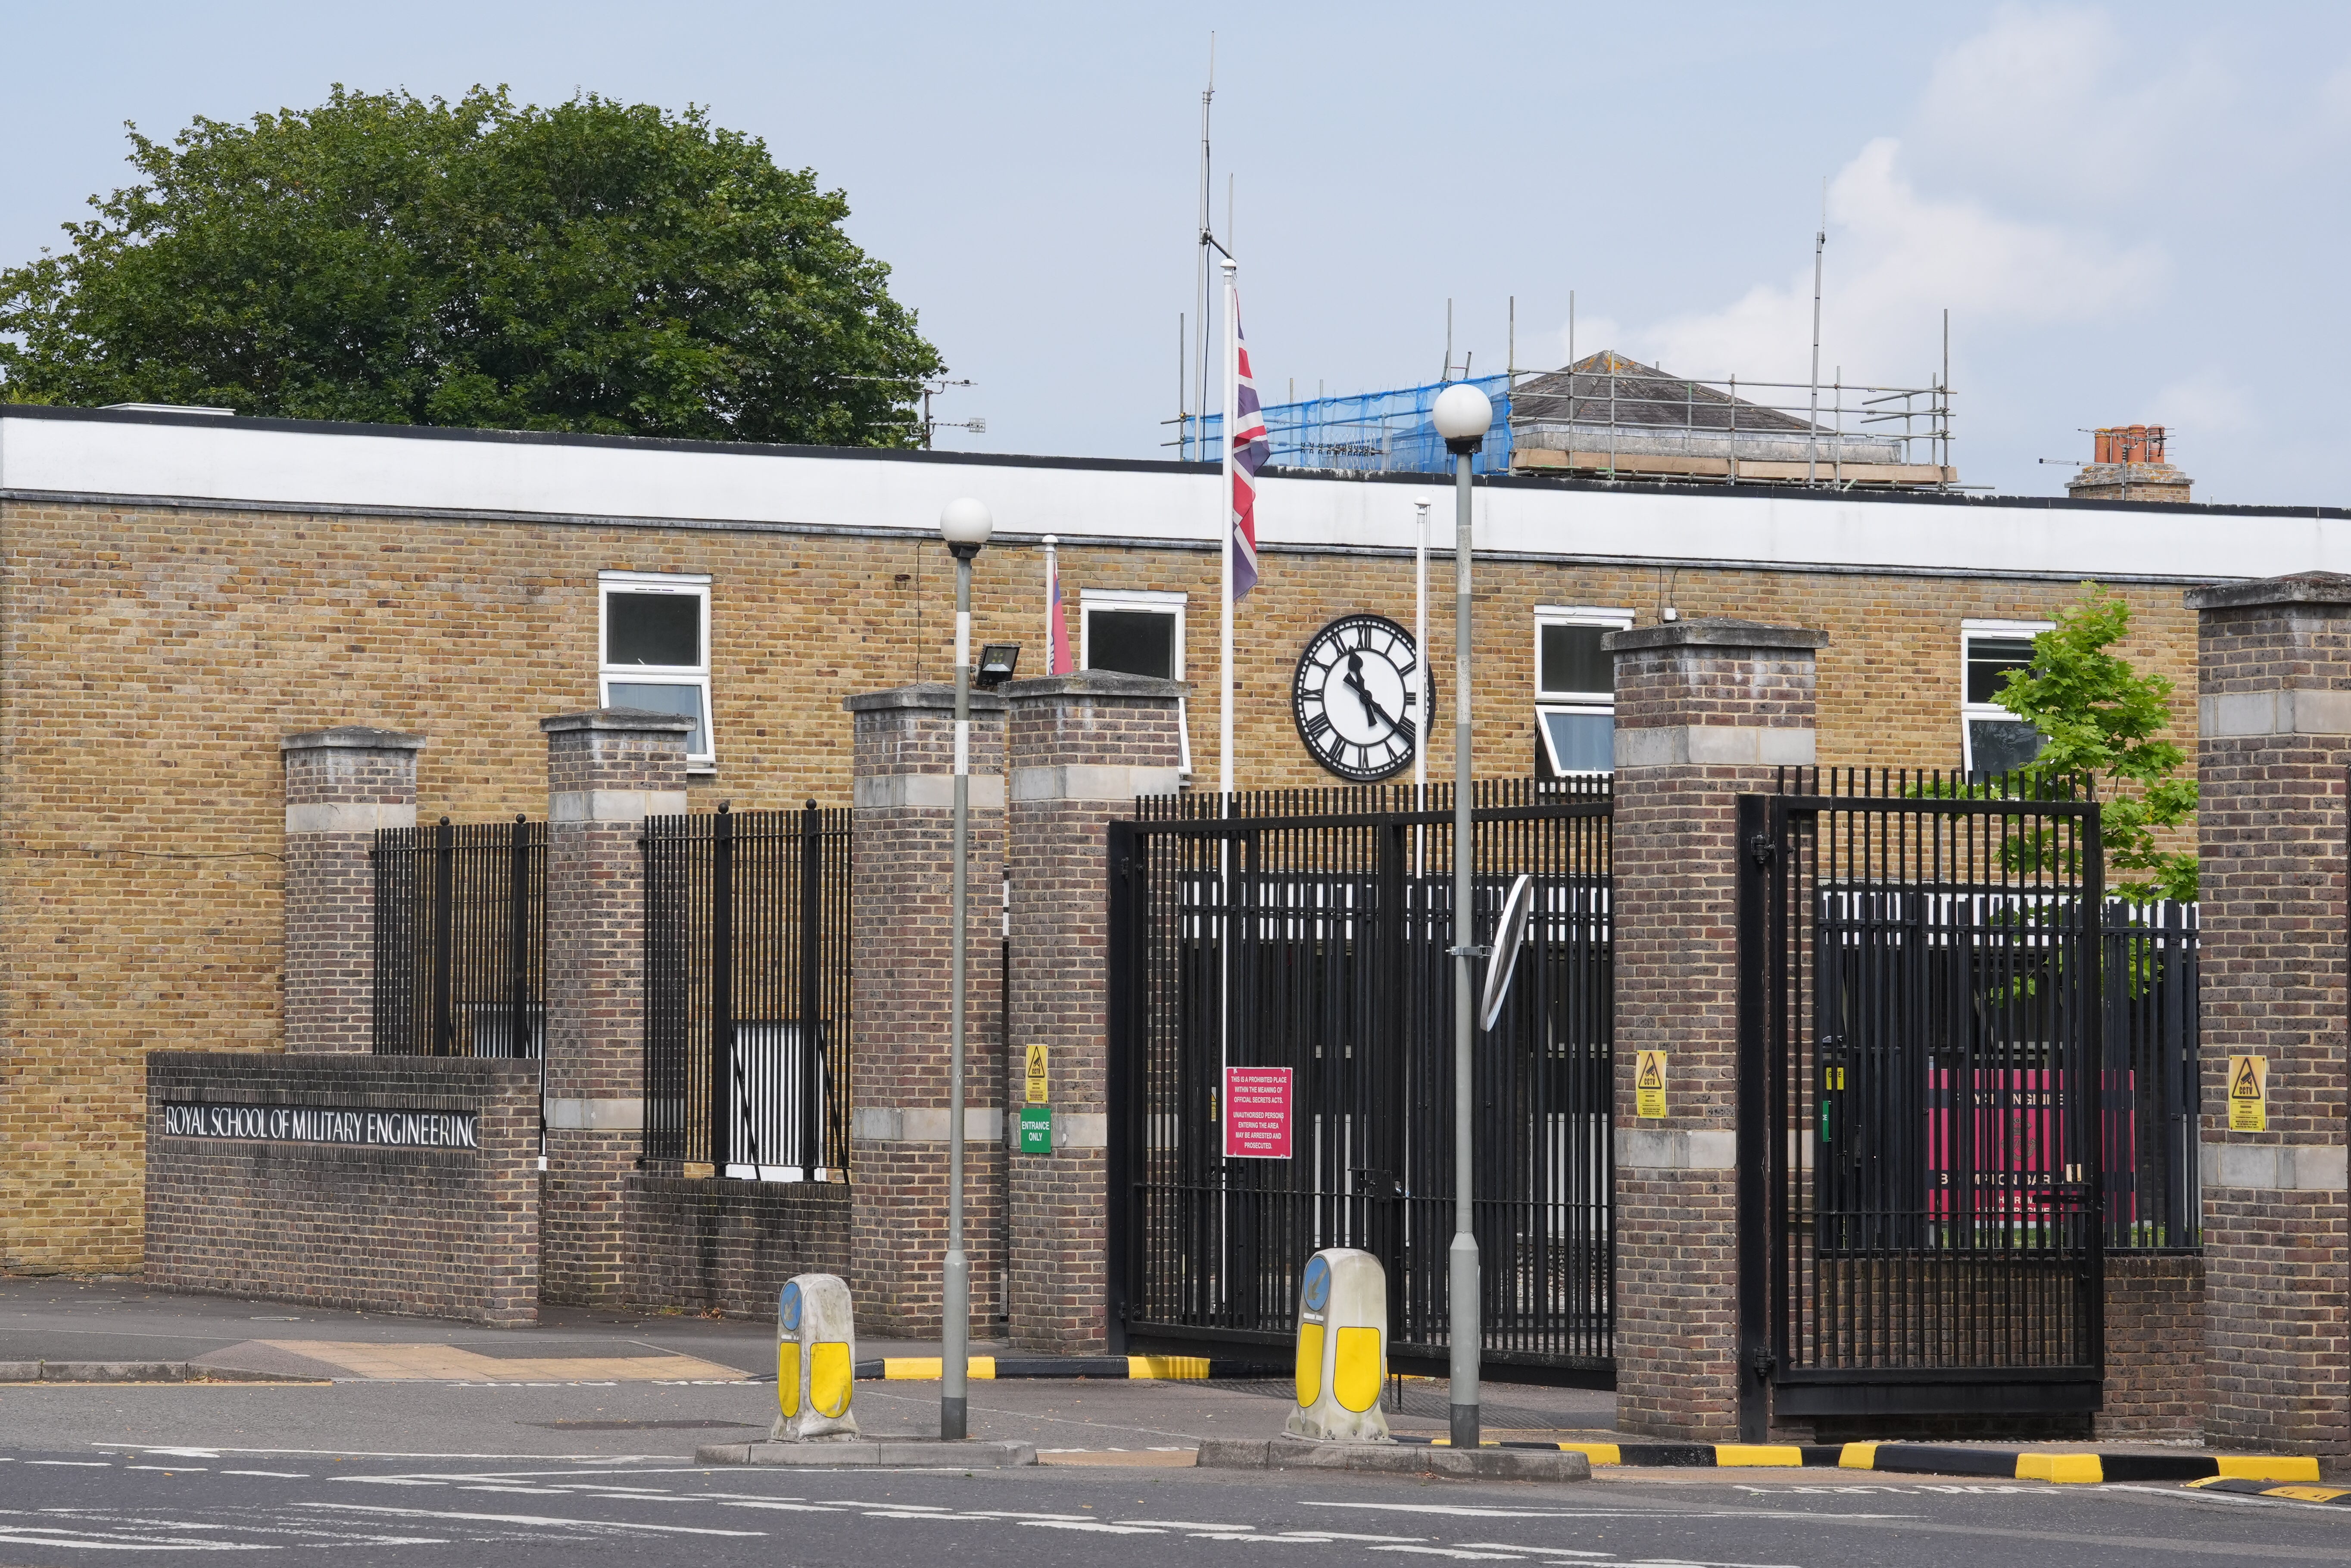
(461, 940)
(2153, 1200)
(1328, 915)
(747, 994)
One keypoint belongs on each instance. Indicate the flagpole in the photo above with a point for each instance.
(1230, 394)
(1052, 590)
(1225, 525)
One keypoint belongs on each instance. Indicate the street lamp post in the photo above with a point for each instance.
(1462, 415)
(964, 525)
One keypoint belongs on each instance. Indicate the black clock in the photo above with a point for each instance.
(1355, 697)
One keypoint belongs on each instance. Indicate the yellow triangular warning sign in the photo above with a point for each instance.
(2245, 1084)
(1652, 1073)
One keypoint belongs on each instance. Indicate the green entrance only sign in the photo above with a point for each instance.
(1036, 1129)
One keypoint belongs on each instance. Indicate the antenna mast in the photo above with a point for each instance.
(1200, 265)
(1812, 427)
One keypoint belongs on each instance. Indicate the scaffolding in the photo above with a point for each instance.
(1610, 417)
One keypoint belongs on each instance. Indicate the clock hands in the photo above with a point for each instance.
(1372, 708)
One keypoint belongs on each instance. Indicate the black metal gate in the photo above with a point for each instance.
(1922, 1026)
(1327, 915)
(748, 992)
(461, 940)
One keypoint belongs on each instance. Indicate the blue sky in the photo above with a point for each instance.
(2132, 213)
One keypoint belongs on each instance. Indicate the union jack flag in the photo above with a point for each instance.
(1249, 448)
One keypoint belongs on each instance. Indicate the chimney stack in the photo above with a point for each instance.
(2126, 464)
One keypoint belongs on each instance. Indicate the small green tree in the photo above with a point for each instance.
(595, 266)
(2099, 721)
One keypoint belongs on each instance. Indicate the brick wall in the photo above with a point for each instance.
(1081, 748)
(2276, 740)
(443, 1232)
(2154, 1346)
(730, 1246)
(1704, 710)
(153, 657)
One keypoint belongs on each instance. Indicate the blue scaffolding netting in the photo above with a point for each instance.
(1367, 433)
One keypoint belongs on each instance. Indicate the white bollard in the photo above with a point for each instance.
(1343, 1348)
(816, 1361)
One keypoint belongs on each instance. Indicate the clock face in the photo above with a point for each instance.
(1354, 699)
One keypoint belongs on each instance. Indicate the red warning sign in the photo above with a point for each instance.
(1256, 1113)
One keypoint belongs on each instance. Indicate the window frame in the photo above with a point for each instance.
(1562, 701)
(1972, 711)
(695, 584)
(1157, 601)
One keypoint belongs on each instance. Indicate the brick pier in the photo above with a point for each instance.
(1706, 711)
(2274, 674)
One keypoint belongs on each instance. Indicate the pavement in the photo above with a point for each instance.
(425, 1442)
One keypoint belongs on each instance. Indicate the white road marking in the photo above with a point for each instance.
(32, 1535)
(538, 1518)
(1462, 1553)
(274, 1475)
(1543, 1551)
(77, 1464)
(171, 1469)
(1091, 1526)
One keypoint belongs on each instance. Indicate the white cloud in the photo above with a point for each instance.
(2207, 404)
(2064, 104)
(1895, 259)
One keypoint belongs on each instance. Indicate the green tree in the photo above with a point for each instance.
(594, 266)
(2099, 720)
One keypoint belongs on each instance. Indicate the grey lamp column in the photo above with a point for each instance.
(1462, 415)
(964, 525)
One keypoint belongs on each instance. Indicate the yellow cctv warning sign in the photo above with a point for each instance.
(1036, 1096)
(2249, 1093)
(1649, 1084)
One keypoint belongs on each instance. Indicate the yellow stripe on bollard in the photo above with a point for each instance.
(1355, 1370)
(830, 1377)
(788, 1377)
(1310, 1364)
(1858, 1456)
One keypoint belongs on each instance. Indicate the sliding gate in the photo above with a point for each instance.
(1922, 1029)
(1310, 931)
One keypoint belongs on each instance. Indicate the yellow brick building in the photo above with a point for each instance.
(181, 591)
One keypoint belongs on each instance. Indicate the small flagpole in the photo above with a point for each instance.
(1052, 591)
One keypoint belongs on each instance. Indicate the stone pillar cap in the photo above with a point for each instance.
(928, 694)
(2298, 588)
(634, 719)
(352, 737)
(1094, 683)
(1713, 632)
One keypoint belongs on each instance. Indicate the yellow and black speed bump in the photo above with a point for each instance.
(2335, 1494)
(1924, 1459)
(1133, 1368)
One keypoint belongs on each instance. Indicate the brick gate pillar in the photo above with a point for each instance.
(607, 771)
(1082, 747)
(2274, 727)
(1706, 711)
(341, 785)
(901, 981)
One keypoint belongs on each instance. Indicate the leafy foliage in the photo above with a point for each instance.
(2099, 720)
(594, 266)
